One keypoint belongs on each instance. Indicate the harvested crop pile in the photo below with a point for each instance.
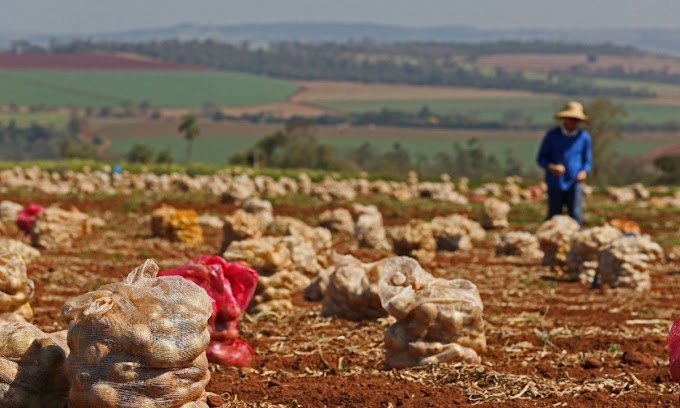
(242, 225)
(625, 226)
(438, 320)
(284, 264)
(139, 343)
(15, 289)
(338, 221)
(626, 262)
(27, 252)
(31, 368)
(9, 211)
(456, 232)
(230, 287)
(583, 257)
(519, 243)
(56, 228)
(26, 217)
(495, 214)
(177, 225)
(369, 229)
(352, 290)
(414, 239)
(554, 236)
(320, 238)
(261, 208)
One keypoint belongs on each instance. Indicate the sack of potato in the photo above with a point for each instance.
(351, 291)
(27, 252)
(554, 236)
(15, 289)
(414, 239)
(627, 262)
(438, 320)
(230, 287)
(31, 368)
(55, 228)
(519, 243)
(495, 215)
(139, 343)
(177, 225)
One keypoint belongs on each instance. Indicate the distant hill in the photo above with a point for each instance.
(657, 40)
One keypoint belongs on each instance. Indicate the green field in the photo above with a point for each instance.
(41, 118)
(162, 89)
(218, 150)
(539, 108)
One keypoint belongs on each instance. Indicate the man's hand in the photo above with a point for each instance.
(581, 176)
(556, 169)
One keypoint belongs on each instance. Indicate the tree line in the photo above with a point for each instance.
(408, 63)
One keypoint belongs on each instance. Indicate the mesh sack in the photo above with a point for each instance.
(56, 228)
(31, 368)
(674, 350)
(9, 211)
(242, 225)
(27, 252)
(26, 217)
(586, 244)
(369, 229)
(230, 287)
(352, 290)
(518, 243)
(627, 261)
(15, 289)
(438, 320)
(554, 236)
(414, 239)
(338, 221)
(495, 214)
(177, 225)
(139, 343)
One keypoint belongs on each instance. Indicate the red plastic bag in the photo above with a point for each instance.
(230, 287)
(674, 350)
(26, 217)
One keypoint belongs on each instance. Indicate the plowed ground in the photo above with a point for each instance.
(540, 328)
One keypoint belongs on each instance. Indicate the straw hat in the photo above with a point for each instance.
(572, 110)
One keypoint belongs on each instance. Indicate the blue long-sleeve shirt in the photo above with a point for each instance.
(573, 152)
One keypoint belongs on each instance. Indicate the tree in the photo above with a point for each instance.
(140, 153)
(190, 129)
(605, 121)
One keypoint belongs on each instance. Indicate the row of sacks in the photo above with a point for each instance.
(239, 187)
(615, 254)
(140, 342)
(418, 239)
(49, 228)
(435, 320)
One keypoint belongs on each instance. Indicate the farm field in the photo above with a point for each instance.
(539, 328)
(481, 104)
(162, 89)
(563, 62)
(54, 119)
(222, 140)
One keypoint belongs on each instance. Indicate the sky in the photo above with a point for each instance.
(96, 16)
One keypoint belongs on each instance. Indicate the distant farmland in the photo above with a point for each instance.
(218, 145)
(162, 89)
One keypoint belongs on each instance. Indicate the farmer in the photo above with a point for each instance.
(566, 156)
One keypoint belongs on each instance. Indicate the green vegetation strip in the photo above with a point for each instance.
(218, 150)
(160, 88)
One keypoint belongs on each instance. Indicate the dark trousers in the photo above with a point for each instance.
(572, 198)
